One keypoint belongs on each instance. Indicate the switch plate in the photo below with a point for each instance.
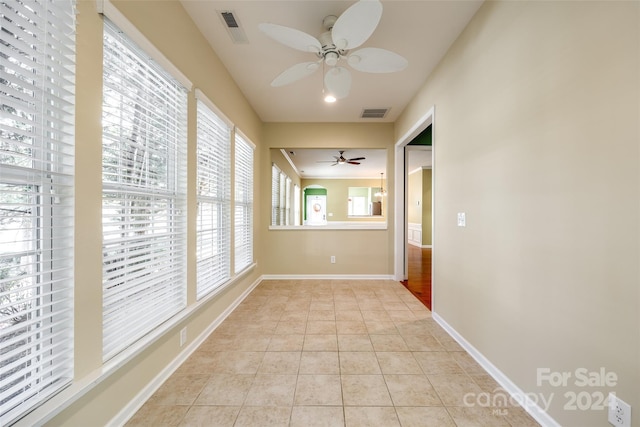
(333, 259)
(462, 220)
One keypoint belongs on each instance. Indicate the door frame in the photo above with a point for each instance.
(401, 225)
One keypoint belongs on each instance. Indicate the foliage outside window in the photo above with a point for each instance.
(144, 115)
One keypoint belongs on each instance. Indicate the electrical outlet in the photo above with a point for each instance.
(333, 259)
(619, 412)
(183, 336)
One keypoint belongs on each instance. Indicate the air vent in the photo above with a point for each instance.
(233, 27)
(374, 113)
(230, 20)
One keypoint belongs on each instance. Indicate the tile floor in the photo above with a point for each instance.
(329, 353)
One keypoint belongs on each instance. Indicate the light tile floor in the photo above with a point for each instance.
(329, 353)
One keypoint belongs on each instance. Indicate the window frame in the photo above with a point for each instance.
(243, 202)
(37, 81)
(155, 202)
(209, 281)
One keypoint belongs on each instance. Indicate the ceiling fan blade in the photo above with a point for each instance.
(375, 60)
(338, 82)
(354, 163)
(295, 73)
(356, 158)
(356, 24)
(291, 37)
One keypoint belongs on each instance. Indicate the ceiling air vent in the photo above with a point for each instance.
(374, 113)
(233, 26)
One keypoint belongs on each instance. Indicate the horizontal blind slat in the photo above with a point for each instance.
(144, 187)
(214, 200)
(37, 71)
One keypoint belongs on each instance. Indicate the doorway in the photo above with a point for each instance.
(419, 216)
(403, 252)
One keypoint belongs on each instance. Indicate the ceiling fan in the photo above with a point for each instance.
(342, 34)
(341, 160)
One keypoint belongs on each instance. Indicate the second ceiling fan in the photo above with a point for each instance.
(342, 34)
(341, 160)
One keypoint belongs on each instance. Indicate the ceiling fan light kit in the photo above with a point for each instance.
(343, 33)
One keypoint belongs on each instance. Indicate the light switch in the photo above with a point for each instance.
(462, 220)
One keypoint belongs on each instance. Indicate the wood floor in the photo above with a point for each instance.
(419, 282)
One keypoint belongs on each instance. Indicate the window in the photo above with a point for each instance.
(275, 195)
(144, 190)
(296, 205)
(287, 200)
(214, 200)
(37, 79)
(280, 197)
(243, 203)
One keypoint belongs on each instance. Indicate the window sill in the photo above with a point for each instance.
(336, 225)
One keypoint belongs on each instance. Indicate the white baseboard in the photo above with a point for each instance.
(418, 244)
(134, 405)
(516, 392)
(328, 276)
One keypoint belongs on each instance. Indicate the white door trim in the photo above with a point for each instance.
(400, 262)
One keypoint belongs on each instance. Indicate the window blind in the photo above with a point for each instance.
(37, 80)
(282, 203)
(275, 195)
(287, 201)
(296, 204)
(214, 201)
(243, 201)
(281, 197)
(144, 190)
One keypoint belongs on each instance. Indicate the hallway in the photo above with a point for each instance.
(328, 353)
(419, 281)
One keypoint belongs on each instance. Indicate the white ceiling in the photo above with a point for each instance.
(419, 30)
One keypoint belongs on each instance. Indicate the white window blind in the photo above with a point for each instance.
(296, 205)
(214, 201)
(243, 228)
(144, 190)
(37, 79)
(275, 195)
(287, 201)
(282, 203)
(281, 197)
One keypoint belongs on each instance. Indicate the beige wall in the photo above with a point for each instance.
(536, 139)
(426, 206)
(168, 27)
(303, 251)
(414, 197)
(419, 202)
